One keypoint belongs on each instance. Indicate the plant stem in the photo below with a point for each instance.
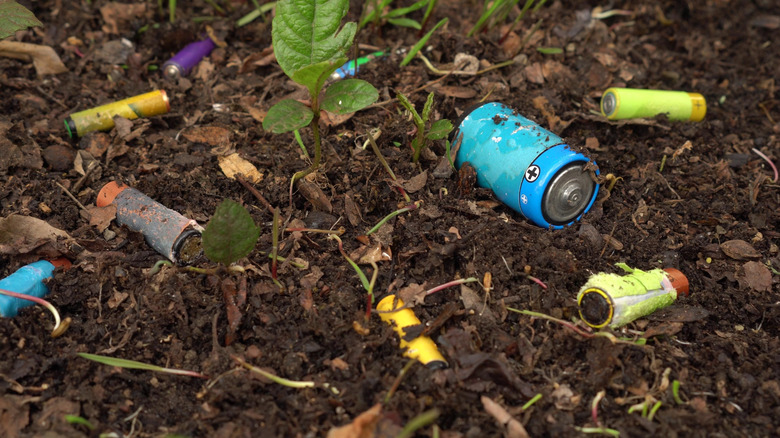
(601, 430)
(419, 422)
(340, 231)
(281, 380)
(392, 215)
(363, 280)
(531, 402)
(450, 284)
(56, 331)
(676, 392)
(398, 380)
(275, 244)
(382, 160)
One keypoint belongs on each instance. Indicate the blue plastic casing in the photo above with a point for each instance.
(26, 280)
(515, 158)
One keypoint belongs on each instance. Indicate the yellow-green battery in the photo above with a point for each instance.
(101, 118)
(633, 103)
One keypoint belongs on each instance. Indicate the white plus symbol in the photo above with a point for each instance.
(524, 199)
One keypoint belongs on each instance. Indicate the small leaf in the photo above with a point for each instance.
(427, 108)
(13, 17)
(314, 76)
(231, 233)
(549, 50)
(306, 32)
(439, 129)
(348, 96)
(287, 115)
(403, 11)
(409, 107)
(404, 22)
(739, 250)
(423, 41)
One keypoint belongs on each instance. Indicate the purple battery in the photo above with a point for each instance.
(182, 63)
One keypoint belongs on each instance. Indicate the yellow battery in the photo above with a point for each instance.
(101, 118)
(421, 348)
(632, 103)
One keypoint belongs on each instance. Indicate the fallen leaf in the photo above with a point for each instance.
(117, 299)
(337, 364)
(755, 276)
(233, 165)
(259, 59)
(211, 135)
(116, 14)
(412, 294)
(739, 250)
(533, 73)
(314, 194)
(457, 92)
(333, 119)
(374, 254)
(44, 58)
(564, 398)
(472, 301)
(101, 217)
(351, 209)
(416, 183)
(14, 415)
(310, 280)
(614, 243)
(363, 426)
(22, 234)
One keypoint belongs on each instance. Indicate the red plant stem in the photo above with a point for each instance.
(537, 281)
(771, 164)
(450, 284)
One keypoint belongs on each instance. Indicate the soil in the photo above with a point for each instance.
(693, 196)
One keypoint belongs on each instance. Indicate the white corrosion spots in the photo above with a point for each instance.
(496, 139)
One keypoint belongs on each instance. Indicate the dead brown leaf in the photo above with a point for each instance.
(412, 294)
(211, 135)
(22, 234)
(543, 105)
(117, 14)
(314, 194)
(116, 299)
(44, 58)
(351, 209)
(739, 250)
(101, 217)
(233, 165)
(533, 73)
(363, 426)
(755, 276)
(416, 183)
(333, 119)
(14, 415)
(260, 59)
(457, 92)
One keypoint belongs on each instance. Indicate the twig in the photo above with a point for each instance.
(70, 195)
(256, 193)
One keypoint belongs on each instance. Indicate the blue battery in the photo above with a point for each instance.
(527, 167)
(27, 280)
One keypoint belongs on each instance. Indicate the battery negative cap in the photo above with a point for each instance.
(679, 281)
(108, 193)
(608, 103)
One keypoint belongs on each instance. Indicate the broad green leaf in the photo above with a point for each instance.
(404, 22)
(13, 17)
(231, 233)
(306, 32)
(348, 96)
(287, 115)
(439, 129)
(314, 76)
(423, 41)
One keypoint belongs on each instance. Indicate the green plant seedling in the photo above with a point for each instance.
(131, 364)
(75, 419)
(374, 12)
(310, 44)
(439, 129)
(13, 17)
(281, 380)
(230, 235)
(493, 12)
(419, 44)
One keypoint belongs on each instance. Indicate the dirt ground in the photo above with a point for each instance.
(684, 193)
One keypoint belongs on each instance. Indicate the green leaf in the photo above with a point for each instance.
(287, 115)
(404, 22)
(75, 419)
(549, 50)
(403, 11)
(427, 108)
(423, 41)
(231, 233)
(306, 32)
(348, 96)
(439, 129)
(409, 107)
(314, 76)
(131, 364)
(13, 17)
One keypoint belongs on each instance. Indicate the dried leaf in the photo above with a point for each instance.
(739, 250)
(116, 299)
(211, 135)
(21, 234)
(233, 165)
(412, 294)
(533, 73)
(416, 182)
(614, 243)
(101, 217)
(44, 58)
(115, 14)
(363, 426)
(457, 92)
(564, 398)
(314, 194)
(756, 276)
(310, 280)
(351, 209)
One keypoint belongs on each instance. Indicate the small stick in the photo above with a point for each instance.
(256, 193)
(70, 195)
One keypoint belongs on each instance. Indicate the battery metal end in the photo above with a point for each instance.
(608, 103)
(568, 194)
(596, 308)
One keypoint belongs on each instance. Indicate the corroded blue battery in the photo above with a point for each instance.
(28, 280)
(529, 168)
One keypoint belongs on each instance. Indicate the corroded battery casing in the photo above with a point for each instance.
(421, 348)
(168, 232)
(529, 168)
(101, 118)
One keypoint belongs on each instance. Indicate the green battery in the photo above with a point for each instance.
(632, 103)
(101, 118)
(614, 300)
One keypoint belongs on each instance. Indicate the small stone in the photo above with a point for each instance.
(59, 158)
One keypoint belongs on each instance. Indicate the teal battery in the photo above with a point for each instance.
(527, 167)
(27, 280)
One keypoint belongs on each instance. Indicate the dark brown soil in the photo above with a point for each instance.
(683, 190)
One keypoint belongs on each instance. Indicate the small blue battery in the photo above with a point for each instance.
(27, 280)
(529, 168)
